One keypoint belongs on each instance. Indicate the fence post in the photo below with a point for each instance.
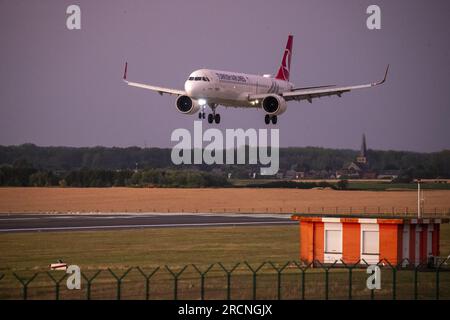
(438, 269)
(228, 273)
(254, 271)
(147, 280)
(350, 276)
(303, 270)
(119, 280)
(202, 279)
(25, 283)
(175, 280)
(279, 271)
(416, 289)
(326, 269)
(394, 279)
(56, 282)
(89, 283)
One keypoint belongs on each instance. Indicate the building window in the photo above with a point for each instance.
(370, 242)
(333, 241)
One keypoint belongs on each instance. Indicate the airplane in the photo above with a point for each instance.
(207, 87)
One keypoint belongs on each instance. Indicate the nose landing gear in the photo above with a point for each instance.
(201, 115)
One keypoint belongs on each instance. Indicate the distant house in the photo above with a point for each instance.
(291, 174)
(388, 174)
(358, 169)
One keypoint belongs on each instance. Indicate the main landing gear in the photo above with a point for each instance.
(212, 117)
(269, 118)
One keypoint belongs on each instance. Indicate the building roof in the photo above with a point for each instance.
(376, 218)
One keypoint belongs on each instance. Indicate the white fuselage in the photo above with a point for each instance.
(231, 88)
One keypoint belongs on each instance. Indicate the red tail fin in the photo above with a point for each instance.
(283, 72)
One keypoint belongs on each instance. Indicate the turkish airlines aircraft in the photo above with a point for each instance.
(206, 87)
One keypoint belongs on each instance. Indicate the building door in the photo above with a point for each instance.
(417, 244)
(430, 230)
(370, 242)
(333, 242)
(405, 244)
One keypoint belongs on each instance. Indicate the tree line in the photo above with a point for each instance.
(55, 160)
(31, 177)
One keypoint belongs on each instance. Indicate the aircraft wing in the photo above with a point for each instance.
(160, 90)
(317, 92)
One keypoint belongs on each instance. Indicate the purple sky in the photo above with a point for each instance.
(61, 87)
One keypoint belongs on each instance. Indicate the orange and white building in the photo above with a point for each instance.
(352, 239)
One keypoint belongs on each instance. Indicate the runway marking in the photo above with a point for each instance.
(15, 219)
(218, 224)
(154, 215)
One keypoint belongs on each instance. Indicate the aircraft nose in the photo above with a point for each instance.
(193, 89)
(188, 87)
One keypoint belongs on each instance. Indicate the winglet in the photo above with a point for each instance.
(385, 76)
(125, 71)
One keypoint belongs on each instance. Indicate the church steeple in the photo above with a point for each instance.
(363, 151)
(362, 158)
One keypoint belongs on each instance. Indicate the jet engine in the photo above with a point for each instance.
(274, 105)
(187, 105)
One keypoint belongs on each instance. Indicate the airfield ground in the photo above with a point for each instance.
(149, 247)
(27, 253)
(35, 200)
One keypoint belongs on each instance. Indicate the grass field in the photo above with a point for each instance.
(28, 253)
(147, 247)
(359, 184)
(26, 200)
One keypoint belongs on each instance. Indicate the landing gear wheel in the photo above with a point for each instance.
(274, 119)
(200, 115)
(210, 118)
(267, 119)
(217, 118)
(203, 115)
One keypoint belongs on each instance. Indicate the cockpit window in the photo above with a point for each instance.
(191, 78)
(205, 79)
(198, 78)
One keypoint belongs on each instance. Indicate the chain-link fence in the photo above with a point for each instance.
(268, 280)
(428, 212)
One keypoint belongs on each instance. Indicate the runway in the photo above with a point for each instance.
(60, 222)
